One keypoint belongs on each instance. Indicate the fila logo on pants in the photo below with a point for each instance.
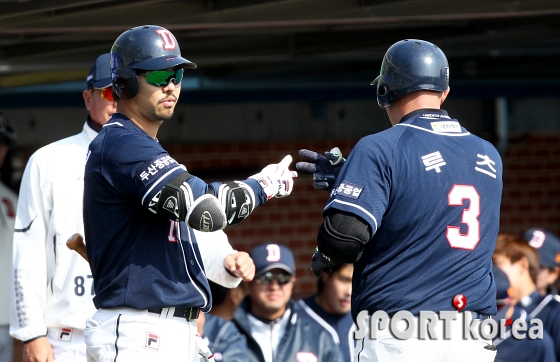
(152, 340)
(65, 334)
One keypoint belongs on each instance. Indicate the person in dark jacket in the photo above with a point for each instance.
(221, 335)
(330, 307)
(269, 319)
(224, 340)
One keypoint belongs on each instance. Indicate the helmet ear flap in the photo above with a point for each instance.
(125, 82)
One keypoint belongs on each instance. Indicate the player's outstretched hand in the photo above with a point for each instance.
(241, 265)
(325, 169)
(277, 179)
(320, 261)
(203, 350)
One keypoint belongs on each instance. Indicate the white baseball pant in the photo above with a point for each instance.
(67, 344)
(387, 348)
(139, 336)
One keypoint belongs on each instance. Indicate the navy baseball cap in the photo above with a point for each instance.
(100, 73)
(272, 256)
(502, 285)
(546, 244)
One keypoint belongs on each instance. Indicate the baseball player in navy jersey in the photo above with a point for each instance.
(8, 202)
(141, 207)
(52, 286)
(416, 209)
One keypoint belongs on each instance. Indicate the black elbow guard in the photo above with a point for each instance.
(232, 204)
(342, 236)
(174, 199)
(237, 200)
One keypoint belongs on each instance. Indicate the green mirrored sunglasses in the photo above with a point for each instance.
(161, 78)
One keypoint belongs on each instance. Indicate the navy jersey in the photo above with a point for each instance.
(431, 193)
(340, 326)
(522, 350)
(138, 259)
(547, 309)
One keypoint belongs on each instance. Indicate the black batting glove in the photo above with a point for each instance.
(325, 169)
(320, 261)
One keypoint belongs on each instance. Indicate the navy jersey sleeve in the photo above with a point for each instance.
(144, 161)
(140, 162)
(361, 193)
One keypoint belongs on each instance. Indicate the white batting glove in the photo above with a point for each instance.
(277, 179)
(203, 350)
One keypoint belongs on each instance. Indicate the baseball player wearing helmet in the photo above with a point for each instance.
(8, 202)
(416, 209)
(52, 286)
(141, 207)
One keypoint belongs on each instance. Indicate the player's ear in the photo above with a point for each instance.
(524, 263)
(444, 95)
(88, 96)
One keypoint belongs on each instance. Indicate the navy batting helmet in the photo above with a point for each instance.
(148, 47)
(410, 65)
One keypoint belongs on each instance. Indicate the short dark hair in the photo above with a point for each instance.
(321, 285)
(219, 293)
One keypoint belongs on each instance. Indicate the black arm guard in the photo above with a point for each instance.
(237, 199)
(342, 236)
(174, 199)
(234, 202)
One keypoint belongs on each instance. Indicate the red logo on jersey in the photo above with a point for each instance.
(460, 302)
(168, 39)
(10, 211)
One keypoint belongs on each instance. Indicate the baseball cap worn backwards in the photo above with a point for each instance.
(272, 256)
(546, 244)
(100, 73)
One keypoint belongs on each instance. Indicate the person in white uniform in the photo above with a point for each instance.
(8, 202)
(52, 286)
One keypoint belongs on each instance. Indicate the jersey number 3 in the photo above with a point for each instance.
(456, 197)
